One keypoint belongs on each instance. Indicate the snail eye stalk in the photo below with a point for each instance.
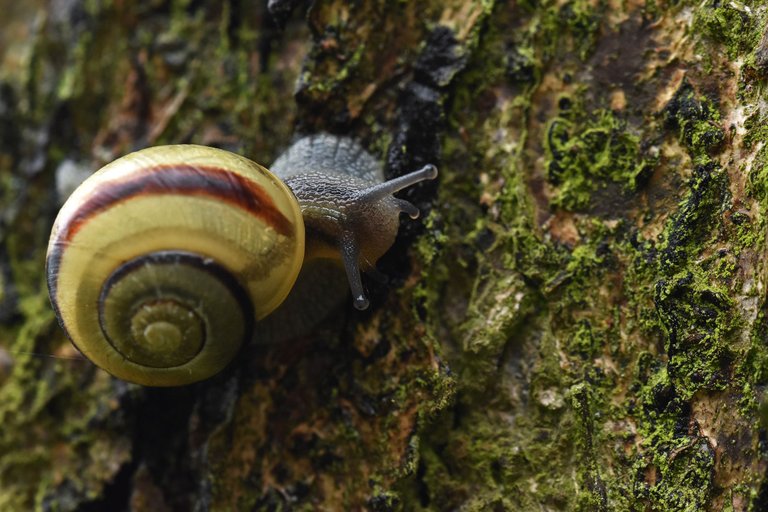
(350, 254)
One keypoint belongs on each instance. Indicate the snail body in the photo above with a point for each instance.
(160, 264)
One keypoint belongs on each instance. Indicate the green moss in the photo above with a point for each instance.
(583, 341)
(585, 399)
(758, 178)
(385, 501)
(670, 309)
(582, 19)
(587, 153)
(697, 122)
(686, 479)
(753, 367)
(571, 26)
(735, 25)
(679, 474)
(692, 301)
(699, 211)
(698, 319)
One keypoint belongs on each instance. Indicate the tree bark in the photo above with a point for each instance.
(577, 323)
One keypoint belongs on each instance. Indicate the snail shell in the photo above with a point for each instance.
(161, 262)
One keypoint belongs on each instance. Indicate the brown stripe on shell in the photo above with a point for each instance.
(182, 179)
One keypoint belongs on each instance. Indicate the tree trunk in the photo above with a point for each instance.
(577, 322)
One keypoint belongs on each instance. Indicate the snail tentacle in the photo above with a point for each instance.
(408, 208)
(350, 252)
(381, 190)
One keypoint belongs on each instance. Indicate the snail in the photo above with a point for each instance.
(163, 263)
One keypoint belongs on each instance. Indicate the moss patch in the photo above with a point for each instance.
(736, 25)
(591, 152)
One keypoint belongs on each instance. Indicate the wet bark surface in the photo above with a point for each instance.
(576, 322)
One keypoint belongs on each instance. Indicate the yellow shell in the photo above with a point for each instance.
(130, 240)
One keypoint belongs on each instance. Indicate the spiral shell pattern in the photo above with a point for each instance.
(160, 263)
